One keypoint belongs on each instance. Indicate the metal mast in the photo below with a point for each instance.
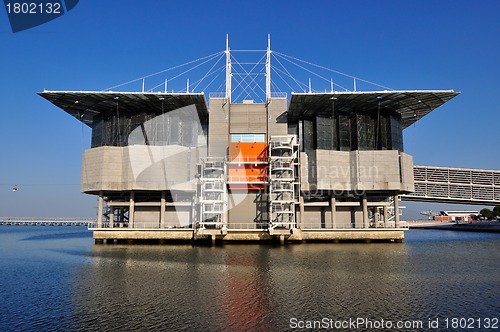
(268, 70)
(228, 71)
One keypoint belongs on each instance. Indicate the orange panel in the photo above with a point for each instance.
(248, 152)
(247, 168)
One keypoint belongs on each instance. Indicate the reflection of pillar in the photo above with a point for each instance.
(301, 210)
(333, 211)
(365, 211)
(396, 211)
(131, 210)
(385, 216)
(162, 209)
(99, 210)
(111, 216)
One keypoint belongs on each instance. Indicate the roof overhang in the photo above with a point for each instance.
(412, 105)
(84, 105)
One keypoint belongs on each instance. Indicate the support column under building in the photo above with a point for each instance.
(99, 209)
(396, 211)
(301, 210)
(333, 211)
(131, 210)
(385, 216)
(365, 211)
(162, 209)
(111, 216)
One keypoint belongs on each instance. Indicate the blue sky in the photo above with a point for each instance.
(399, 44)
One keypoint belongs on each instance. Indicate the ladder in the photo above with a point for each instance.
(211, 193)
(283, 181)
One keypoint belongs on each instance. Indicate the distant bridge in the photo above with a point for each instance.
(455, 185)
(20, 221)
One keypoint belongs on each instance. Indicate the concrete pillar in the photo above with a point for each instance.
(111, 216)
(162, 209)
(376, 217)
(301, 211)
(385, 216)
(99, 209)
(396, 210)
(365, 211)
(333, 210)
(131, 210)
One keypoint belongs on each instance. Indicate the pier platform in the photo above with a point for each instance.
(296, 235)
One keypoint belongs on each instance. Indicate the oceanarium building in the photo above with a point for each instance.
(309, 166)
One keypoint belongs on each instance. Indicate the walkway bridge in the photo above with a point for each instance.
(23, 221)
(455, 185)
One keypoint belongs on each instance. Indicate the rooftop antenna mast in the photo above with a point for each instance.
(228, 71)
(268, 70)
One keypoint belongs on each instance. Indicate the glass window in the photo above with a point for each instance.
(366, 132)
(344, 133)
(308, 135)
(326, 133)
(396, 133)
(145, 128)
(248, 138)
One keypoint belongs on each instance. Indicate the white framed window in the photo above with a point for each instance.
(248, 138)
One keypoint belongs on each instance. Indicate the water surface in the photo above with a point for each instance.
(55, 278)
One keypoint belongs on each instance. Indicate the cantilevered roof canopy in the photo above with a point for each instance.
(412, 105)
(84, 105)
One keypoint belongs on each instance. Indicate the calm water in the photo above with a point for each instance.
(55, 278)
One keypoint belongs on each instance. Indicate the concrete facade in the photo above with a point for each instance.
(389, 170)
(137, 179)
(316, 167)
(140, 167)
(218, 130)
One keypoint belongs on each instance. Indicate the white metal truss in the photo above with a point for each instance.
(283, 181)
(391, 212)
(228, 71)
(211, 193)
(246, 76)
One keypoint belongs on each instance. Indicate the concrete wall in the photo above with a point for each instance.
(388, 170)
(140, 167)
(244, 210)
(408, 183)
(304, 172)
(218, 128)
(247, 119)
(278, 117)
(320, 217)
(149, 217)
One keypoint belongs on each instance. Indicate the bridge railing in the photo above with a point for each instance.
(461, 185)
(46, 221)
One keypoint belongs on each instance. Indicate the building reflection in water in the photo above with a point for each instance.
(241, 286)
